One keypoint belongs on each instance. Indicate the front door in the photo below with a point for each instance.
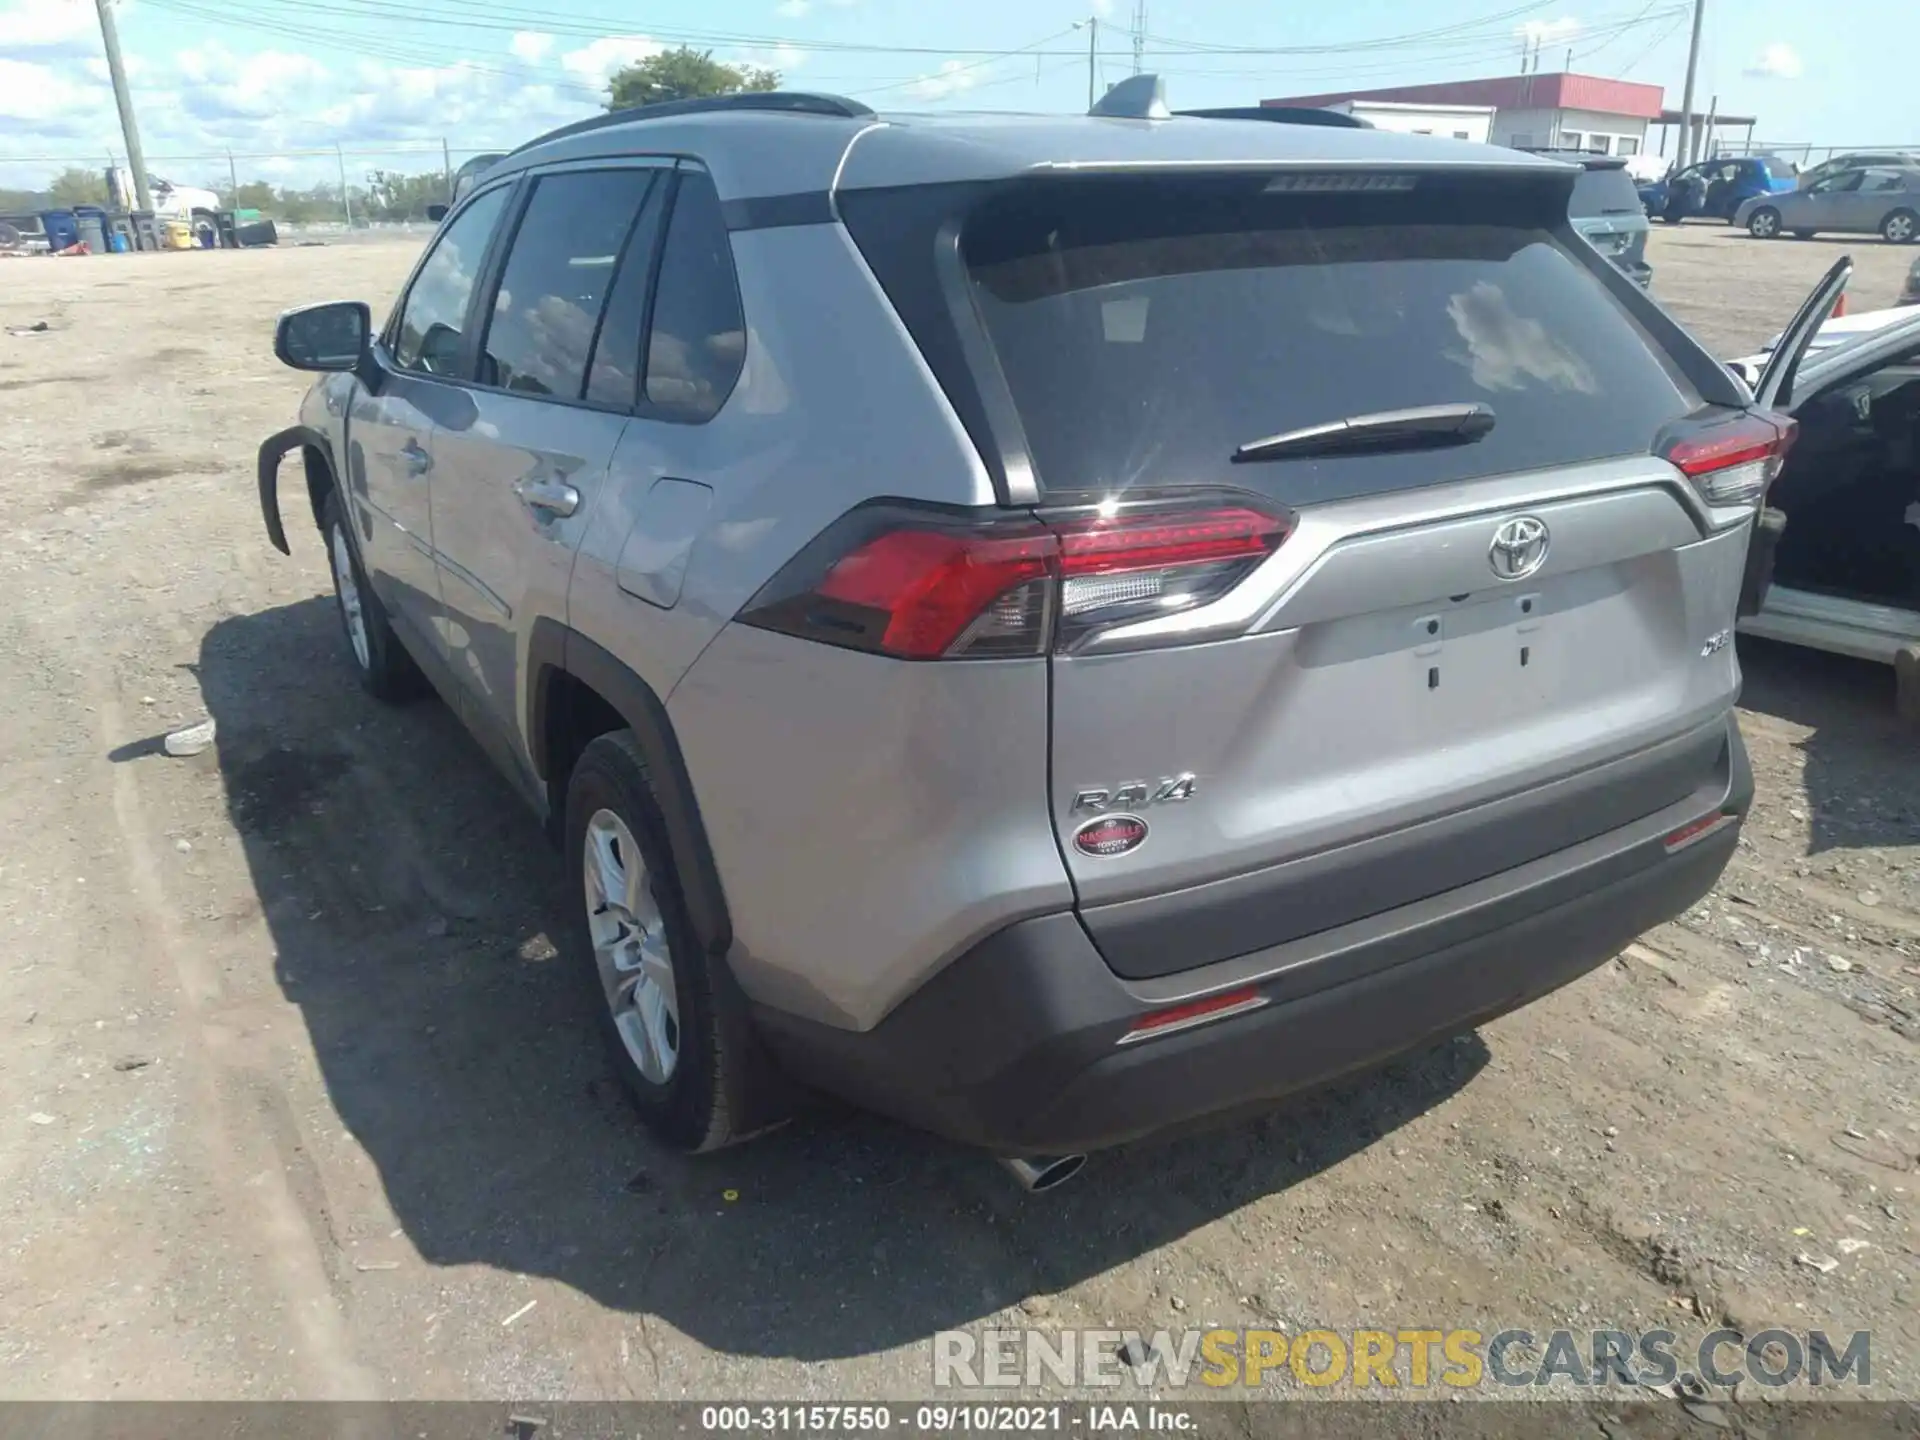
(514, 487)
(412, 393)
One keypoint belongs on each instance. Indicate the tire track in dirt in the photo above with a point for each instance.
(257, 1153)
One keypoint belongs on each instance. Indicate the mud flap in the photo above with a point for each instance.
(272, 450)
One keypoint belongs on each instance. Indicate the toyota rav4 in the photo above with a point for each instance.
(1050, 627)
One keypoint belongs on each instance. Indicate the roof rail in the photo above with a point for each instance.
(1282, 115)
(1138, 97)
(787, 102)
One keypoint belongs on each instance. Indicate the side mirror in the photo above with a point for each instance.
(329, 336)
(436, 213)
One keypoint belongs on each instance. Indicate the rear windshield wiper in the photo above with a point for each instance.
(1424, 428)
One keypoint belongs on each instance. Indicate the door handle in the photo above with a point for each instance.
(418, 460)
(554, 496)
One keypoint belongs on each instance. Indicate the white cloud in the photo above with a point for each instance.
(783, 58)
(31, 92)
(794, 9)
(952, 78)
(49, 25)
(597, 61)
(531, 45)
(1779, 61)
(1549, 32)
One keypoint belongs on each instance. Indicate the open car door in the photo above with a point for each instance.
(1774, 391)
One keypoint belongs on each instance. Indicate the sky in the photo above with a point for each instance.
(389, 80)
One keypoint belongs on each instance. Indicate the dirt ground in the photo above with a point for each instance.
(295, 1100)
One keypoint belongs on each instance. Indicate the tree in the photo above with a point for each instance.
(393, 196)
(684, 74)
(74, 186)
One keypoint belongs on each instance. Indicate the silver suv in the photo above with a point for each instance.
(1049, 627)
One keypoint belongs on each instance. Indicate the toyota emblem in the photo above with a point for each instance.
(1519, 547)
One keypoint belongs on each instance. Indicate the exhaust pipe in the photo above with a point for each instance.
(1035, 1173)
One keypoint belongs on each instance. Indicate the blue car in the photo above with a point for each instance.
(1715, 188)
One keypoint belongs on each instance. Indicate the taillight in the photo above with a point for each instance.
(1732, 461)
(921, 584)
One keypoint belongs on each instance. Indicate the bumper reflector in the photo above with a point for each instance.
(1195, 1012)
(1698, 830)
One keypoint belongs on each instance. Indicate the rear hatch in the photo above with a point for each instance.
(1606, 210)
(1455, 652)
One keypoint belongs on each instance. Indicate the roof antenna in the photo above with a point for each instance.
(1138, 97)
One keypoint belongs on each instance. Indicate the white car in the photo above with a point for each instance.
(1842, 518)
(1835, 332)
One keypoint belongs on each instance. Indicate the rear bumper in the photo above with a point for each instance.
(1016, 1046)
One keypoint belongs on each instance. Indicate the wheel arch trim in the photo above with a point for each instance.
(272, 450)
(555, 649)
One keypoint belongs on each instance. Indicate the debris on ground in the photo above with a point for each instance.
(1825, 1264)
(191, 740)
(39, 327)
(519, 1313)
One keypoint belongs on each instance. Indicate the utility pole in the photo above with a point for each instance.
(346, 200)
(1139, 33)
(123, 99)
(1686, 92)
(446, 165)
(233, 182)
(1093, 56)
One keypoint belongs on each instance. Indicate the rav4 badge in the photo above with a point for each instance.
(1110, 835)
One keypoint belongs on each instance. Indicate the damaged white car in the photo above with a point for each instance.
(1840, 535)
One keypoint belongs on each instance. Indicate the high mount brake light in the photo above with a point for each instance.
(921, 586)
(1732, 462)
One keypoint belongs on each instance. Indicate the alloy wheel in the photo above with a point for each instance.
(630, 947)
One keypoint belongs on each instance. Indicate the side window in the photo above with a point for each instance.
(615, 376)
(1885, 182)
(556, 280)
(428, 338)
(698, 342)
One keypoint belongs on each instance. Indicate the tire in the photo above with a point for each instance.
(1764, 223)
(675, 1023)
(387, 672)
(1900, 227)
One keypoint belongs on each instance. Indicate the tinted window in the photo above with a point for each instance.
(1604, 192)
(436, 307)
(615, 377)
(699, 339)
(556, 280)
(1149, 328)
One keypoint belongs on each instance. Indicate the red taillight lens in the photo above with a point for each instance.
(1733, 461)
(1117, 570)
(902, 583)
(934, 585)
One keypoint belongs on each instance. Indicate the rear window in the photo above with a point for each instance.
(1146, 329)
(1608, 191)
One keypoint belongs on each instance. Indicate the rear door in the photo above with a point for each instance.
(514, 487)
(1450, 620)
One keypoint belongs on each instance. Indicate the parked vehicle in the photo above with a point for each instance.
(1857, 160)
(1844, 513)
(1866, 202)
(1715, 188)
(1841, 330)
(1049, 627)
(1606, 210)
